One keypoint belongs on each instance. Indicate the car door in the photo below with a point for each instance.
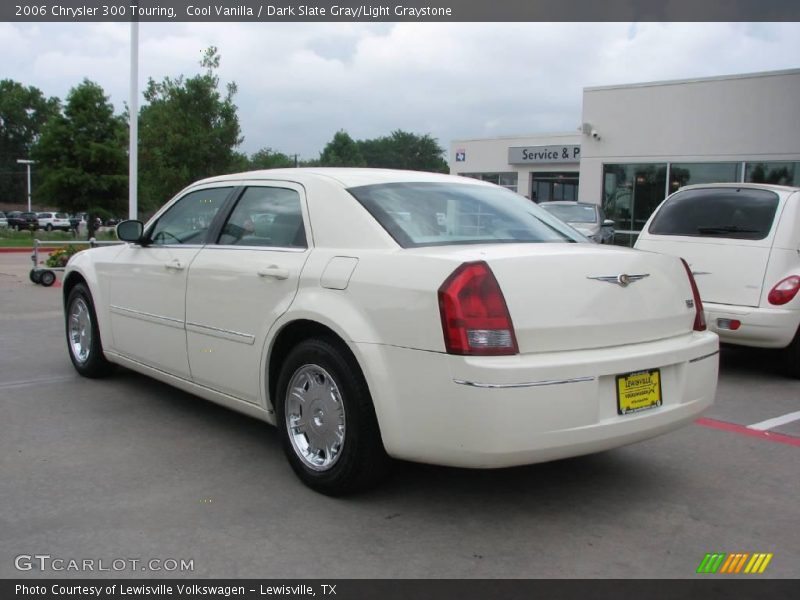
(148, 282)
(241, 284)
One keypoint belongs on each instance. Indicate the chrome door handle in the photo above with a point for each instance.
(274, 271)
(175, 265)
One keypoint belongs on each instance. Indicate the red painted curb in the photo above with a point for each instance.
(742, 430)
(28, 250)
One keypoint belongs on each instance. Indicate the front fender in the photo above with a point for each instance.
(94, 267)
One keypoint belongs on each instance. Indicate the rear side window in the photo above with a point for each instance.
(266, 216)
(738, 213)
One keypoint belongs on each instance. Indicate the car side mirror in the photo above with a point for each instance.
(608, 223)
(130, 231)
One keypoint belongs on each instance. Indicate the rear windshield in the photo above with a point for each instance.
(572, 213)
(435, 214)
(737, 213)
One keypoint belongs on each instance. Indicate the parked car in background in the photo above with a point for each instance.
(22, 220)
(77, 220)
(589, 219)
(112, 222)
(50, 221)
(373, 313)
(3, 220)
(742, 242)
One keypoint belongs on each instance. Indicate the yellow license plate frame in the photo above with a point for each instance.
(638, 391)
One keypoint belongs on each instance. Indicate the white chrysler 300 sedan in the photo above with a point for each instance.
(372, 314)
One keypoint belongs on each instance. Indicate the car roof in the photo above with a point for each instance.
(346, 177)
(753, 186)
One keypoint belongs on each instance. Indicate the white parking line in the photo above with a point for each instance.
(776, 422)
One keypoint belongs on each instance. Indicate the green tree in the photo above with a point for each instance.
(341, 151)
(23, 113)
(267, 158)
(188, 130)
(81, 155)
(404, 150)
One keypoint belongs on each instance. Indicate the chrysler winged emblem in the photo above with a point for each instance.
(622, 280)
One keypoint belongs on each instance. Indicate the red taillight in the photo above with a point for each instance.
(784, 291)
(475, 318)
(699, 317)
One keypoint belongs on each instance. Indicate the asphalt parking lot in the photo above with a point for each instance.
(130, 468)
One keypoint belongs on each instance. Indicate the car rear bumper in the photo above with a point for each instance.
(490, 412)
(761, 327)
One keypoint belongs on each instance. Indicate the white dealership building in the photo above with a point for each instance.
(637, 143)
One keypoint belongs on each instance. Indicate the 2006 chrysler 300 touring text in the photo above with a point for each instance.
(372, 314)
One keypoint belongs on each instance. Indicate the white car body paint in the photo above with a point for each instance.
(555, 398)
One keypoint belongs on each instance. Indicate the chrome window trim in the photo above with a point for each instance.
(265, 248)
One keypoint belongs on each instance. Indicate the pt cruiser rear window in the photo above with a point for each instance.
(742, 214)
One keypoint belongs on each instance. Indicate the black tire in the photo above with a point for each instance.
(48, 227)
(93, 364)
(47, 278)
(361, 461)
(791, 357)
(35, 275)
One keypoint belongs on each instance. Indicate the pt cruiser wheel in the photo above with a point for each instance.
(327, 420)
(83, 335)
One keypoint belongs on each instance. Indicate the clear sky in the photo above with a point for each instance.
(299, 83)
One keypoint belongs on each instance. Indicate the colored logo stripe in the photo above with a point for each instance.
(758, 564)
(721, 562)
(711, 563)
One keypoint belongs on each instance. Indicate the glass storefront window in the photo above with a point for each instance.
(631, 192)
(554, 186)
(780, 173)
(682, 174)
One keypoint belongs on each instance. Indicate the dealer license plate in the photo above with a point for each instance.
(638, 391)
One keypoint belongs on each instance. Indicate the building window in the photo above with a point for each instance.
(506, 180)
(682, 174)
(631, 192)
(546, 187)
(780, 173)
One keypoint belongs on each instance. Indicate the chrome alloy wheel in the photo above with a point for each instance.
(315, 418)
(80, 330)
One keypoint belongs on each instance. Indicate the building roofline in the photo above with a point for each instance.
(693, 80)
(518, 137)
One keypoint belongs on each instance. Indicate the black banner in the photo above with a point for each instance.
(705, 587)
(398, 10)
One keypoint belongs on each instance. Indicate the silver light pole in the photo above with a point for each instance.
(133, 142)
(28, 164)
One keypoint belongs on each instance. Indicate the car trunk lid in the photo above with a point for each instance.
(726, 271)
(578, 296)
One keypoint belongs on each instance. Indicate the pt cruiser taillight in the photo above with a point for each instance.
(784, 291)
(699, 317)
(475, 318)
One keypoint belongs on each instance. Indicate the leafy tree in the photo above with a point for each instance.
(342, 151)
(81, 154)
(404, 150)
(188, 130)
(23, 113)
(267, 158)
